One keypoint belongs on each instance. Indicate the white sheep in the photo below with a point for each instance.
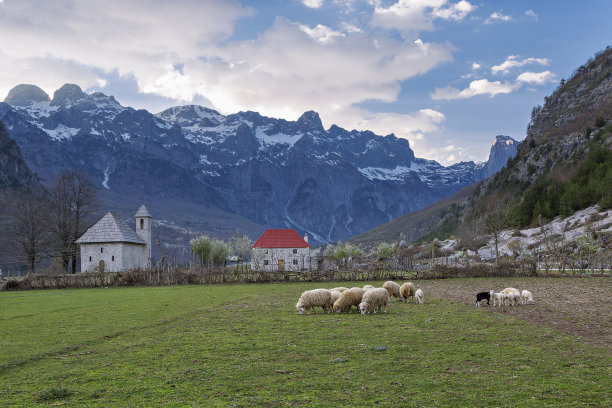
(340, 289)
(348, 299)
(517, 294)
(526, 297)
(314, 298)
(368, 287)
(373, 300)
(419, 296)
(510, 298)
(393, 288)
(407, 290)
(334, 296)
(498, 298)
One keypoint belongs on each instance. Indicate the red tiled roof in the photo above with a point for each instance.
(280, 238)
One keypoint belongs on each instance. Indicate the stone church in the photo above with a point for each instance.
(111, 245)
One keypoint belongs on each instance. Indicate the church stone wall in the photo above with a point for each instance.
(117, 256)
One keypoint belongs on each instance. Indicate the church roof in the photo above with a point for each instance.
(110, 229)
(280, 238)
(143, 212)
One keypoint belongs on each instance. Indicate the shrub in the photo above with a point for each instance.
(600, 122)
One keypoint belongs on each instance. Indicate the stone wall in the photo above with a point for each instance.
(298, 261)
(117, 256)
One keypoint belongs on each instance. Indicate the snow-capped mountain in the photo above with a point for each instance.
(330, 183)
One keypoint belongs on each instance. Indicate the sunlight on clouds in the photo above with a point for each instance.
(532, 14)
(513, 61)
(313, 3)
(497, 16)
(536, 78)
(416, 15)
(477, 87)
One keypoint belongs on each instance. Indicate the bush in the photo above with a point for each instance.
(600, 122)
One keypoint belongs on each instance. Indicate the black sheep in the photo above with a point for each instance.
(481, 296)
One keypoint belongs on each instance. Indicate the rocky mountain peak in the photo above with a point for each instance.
(310, 121)
(504, 148)
(67, 94)
(25, 95)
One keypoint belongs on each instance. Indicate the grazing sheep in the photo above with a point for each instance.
(526, 297)
(314, 298)
(482, 296)
(368, 287)
(419, 296)
(334, 296)
(511, 298)
(498, 298)
(393, 288)
(373, 300)
(340, 289)
(517, 294)
(407, 290)
(348, 299)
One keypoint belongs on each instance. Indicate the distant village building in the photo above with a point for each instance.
(112, 246)
(281, 250)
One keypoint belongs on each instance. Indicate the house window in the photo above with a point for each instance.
(101, 250)
(265, 261)
(295, 251)
(113, 257)
(266, 252)
(141, 223)
(295, 261)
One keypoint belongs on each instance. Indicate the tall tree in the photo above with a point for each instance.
(495, 220)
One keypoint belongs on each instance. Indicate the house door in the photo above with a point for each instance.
(281, 264)
(101, 266)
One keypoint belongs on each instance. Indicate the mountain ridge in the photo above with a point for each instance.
(330, 183)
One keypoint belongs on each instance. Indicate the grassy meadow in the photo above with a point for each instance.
(246, 346)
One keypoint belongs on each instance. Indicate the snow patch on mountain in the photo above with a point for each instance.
(276, 138)
(62, 132)
(397, 173)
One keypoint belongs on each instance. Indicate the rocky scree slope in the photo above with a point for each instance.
(330, 183)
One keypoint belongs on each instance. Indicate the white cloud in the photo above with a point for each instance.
(536, 78)
(477, 87)
(497, 16)
(417, 15)
(313, 3)
(475, 65)
(531, 14)
(513, 61)
(321, 33)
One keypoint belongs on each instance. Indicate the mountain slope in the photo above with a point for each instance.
(563, 165)
(254, 170)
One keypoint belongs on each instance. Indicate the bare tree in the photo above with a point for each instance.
(74, 201)
(495, 220)
(240, 246)
(29, 228)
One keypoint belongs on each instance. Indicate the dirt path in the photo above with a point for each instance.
(578, 306)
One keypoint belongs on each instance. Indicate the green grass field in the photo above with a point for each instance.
(246, 346)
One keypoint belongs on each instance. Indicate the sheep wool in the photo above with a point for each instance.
(334, 296)
(497, 297)
(314, 298)
(407, 290)
(517, 294)
(368, 287)
(393, 288)
(373, 300)
(348, 299)
(339, 289)
(419, 296)
(526, 297)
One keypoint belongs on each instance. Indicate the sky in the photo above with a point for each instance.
(447, 75)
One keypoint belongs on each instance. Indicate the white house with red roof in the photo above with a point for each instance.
(281, 250)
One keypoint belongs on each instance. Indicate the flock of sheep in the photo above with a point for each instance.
(371, 300)
(366, 299)
(507, 297)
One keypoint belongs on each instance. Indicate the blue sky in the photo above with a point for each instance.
(447, 75)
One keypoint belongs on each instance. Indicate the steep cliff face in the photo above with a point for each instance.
(14, 173)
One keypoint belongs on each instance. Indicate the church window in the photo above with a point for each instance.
(101, 250)
(141, 223)
(265, 262)
(113, 257)
(90, 259)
